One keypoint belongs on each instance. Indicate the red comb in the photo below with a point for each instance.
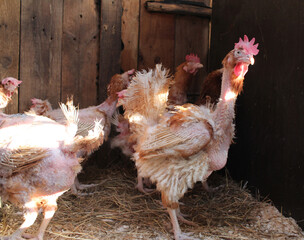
(34, 100)
(247, 46)
(193, 58)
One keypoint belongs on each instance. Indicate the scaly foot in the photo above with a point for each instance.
(11, 237)
(141, 188)
(185, 236)
(209, 189)
(181, 218)
(29, 236)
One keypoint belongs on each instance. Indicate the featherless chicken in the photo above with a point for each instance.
(87, 116)
(177, 95)
(177, 148)
(39, 162)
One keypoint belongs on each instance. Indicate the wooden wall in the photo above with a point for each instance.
(151, 38)
(10, 40)
(60, 48)
(53, 47)
(269, 150)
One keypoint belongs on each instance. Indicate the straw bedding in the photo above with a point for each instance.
(115, 210)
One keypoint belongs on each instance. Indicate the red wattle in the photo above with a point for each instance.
(241, 69)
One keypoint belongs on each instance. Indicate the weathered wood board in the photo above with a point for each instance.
(192, 36)
(156, 39)
(40, 51)
(129, 34)
(110, 43)
(9, 47)
(80, 51)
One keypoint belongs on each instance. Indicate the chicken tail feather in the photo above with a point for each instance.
(92, 141)
(146, 97)
(71, 114)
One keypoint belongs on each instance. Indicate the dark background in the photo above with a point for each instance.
(269, 149)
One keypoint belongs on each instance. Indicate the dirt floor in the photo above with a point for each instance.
(116, 210)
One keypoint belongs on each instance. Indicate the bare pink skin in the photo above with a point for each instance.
(121, 94)
(242, 56)
(42, 182)
(10, 84)
(103, 112)
(123, 127)
(131, 72)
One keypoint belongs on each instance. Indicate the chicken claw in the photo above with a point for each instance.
(186, 236)
(183, 220)
(11, 237)
(29, 236)
(178, 234)
(140, 186)
(77, 186)
(209, 189)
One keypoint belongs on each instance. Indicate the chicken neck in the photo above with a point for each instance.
(108, 106)
(223, 120)
(224, 113)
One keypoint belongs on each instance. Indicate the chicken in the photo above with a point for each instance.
(177, 95)
(87, 116)
(38, 163)
(211, 88)
(178, 148)
(126, 142)
(122, 140)
(8, 87)
(183, 75)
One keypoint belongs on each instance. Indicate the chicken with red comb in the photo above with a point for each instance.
(178, 147)
(182, 77)
(177, 95)
(211, 87)
(8, 87)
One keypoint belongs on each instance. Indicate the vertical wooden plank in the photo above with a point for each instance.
(156, 39)
(110, 43)
(80, 51)
(192, 36)
(9, 47)
(40, 51)
(110, 50)
(129, 34)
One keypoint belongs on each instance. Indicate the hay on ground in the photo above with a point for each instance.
(116, 210)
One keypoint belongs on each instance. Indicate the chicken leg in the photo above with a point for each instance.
(181, 217)
(178, 234)
(77, 187)
(30, 215)
(140, 186)
(48, 212)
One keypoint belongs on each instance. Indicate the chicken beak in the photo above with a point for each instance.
(251, 60)
(199, 65)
